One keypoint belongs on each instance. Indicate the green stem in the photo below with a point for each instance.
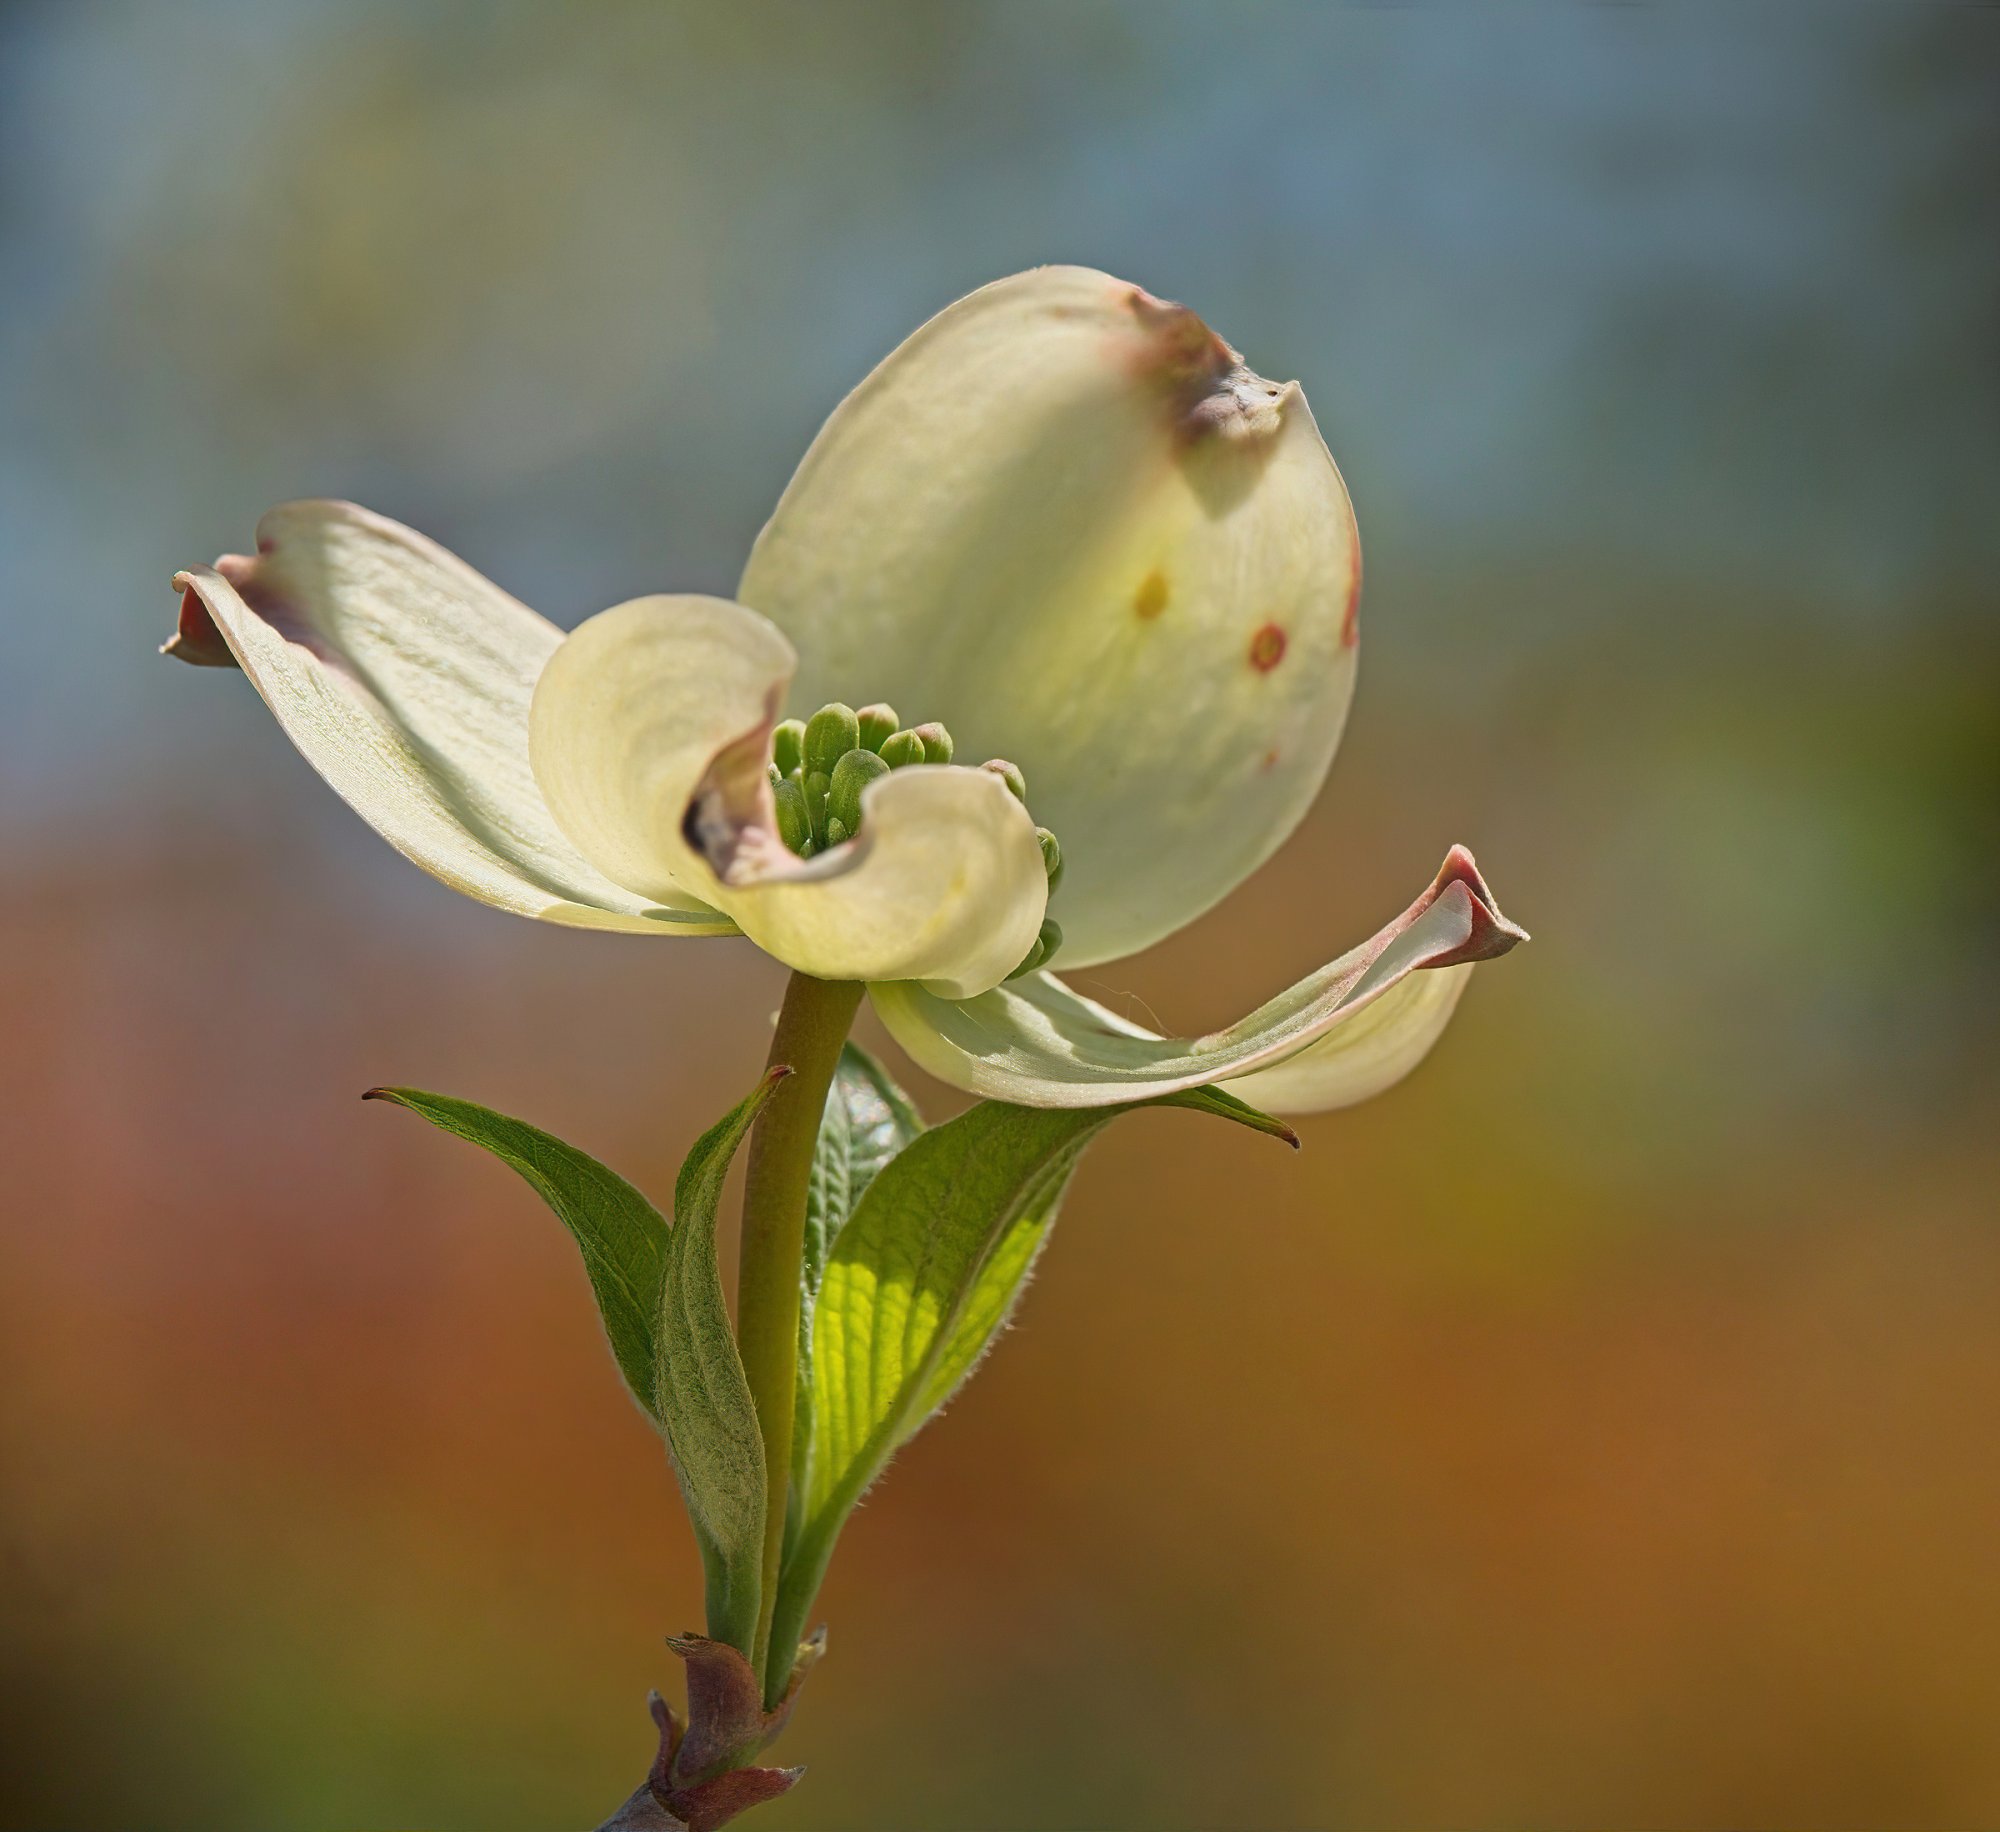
(812, 1026)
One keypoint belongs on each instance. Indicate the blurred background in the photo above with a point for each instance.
(1598, 1430)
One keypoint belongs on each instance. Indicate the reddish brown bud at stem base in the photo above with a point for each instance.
(700, 1779)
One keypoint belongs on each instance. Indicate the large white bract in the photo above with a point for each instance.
(1064, 520)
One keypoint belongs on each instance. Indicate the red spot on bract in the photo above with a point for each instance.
(1270, 762)
(1267, 648)
(1151, 597)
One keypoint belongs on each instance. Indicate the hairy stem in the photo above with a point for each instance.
(812, 1025)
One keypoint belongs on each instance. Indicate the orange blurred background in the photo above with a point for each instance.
(1595, 1431)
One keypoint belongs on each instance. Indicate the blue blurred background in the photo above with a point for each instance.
(1596, 1431)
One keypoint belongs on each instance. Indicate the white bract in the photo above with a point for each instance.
(1064, 520)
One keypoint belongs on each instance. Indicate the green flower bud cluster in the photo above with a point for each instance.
(820, 766)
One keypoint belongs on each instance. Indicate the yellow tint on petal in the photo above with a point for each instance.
(944, 885)
(1065, 520)
(403, 676)
(627, 716)
(1372, 1049)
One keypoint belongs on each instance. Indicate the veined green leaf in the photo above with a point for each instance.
(868, 1120)
(703, 1395)
(919, 1283)
(659, 1292)
(620, 1234)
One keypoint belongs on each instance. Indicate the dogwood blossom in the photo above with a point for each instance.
(1065, 527)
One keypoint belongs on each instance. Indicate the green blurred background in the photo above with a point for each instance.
(1598, 1430)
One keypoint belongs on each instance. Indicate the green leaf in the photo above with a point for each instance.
(868, 1120)
(659, 1291)
(620, 1234)
(919, 1283)
(703, 1395)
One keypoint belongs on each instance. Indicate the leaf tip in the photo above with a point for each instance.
(1223, 1104)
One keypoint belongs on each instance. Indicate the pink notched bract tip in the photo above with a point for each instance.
(1492, 933)
(196, 639)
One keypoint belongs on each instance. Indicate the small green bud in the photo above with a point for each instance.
(831, 733)
(1051, 856)
(1043, 951)
(937, 742)
(836, 830)
(1010, 774)
(794, 824)
(788, 746)
(876, 722)
(902, 748)
(816, 785)
(851, 775)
